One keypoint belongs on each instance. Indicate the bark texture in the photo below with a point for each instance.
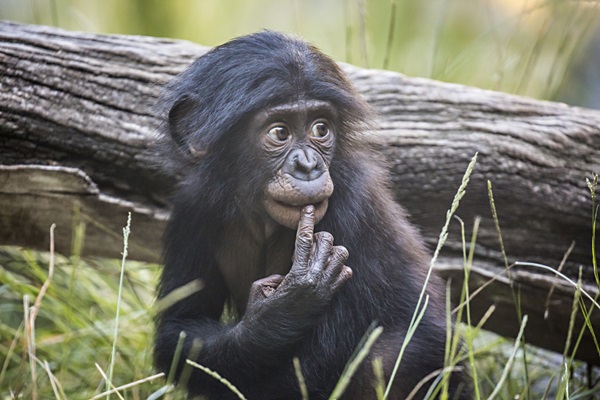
(77, 126)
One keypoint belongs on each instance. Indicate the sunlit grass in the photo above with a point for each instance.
(60, 348)
(75, 323)
(74, 333)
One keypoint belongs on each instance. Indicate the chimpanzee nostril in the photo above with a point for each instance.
(305, 161)
(304, 164)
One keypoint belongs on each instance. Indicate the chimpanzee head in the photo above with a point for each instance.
(268, 113)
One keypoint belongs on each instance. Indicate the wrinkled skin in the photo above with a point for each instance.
(301, 147)
(317, 272)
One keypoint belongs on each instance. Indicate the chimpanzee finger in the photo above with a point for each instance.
(322, 248)
(304, 237)
(265, 287)
(344, 275)
(336, 261)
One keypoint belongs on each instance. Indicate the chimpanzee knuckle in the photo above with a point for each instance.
(304, 237)
(298, 268)
(311, 281)
(324, 238)
(271, 281)
(303, 249)
(340, 254)
(344, 275)
(304, 281)
(256, 286)
(267, 291)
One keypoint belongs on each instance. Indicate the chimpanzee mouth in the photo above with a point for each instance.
(300, 206)
(320, 206)
(289, 214)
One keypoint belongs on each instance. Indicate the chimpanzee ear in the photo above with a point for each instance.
(182, 117)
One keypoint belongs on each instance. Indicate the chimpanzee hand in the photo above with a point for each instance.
(317, 272)
(318, 265)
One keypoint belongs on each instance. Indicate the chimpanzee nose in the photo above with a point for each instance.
(304, 164)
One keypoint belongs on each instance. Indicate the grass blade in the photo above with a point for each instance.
(113, 353)
(510, 360)
(442, 239)
(218, 377)
(353, 365)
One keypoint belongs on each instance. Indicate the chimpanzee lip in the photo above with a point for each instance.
(288, 191)
(289, 214)
(300, 206)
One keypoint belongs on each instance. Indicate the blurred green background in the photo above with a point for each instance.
(547, 49)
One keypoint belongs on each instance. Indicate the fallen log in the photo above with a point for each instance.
(77, 125)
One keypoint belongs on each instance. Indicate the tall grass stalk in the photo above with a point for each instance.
(448, 351)
(391, 33)
(78, 229)
(126, 232)
(186, 371)
(176, 358)
(434, 387)
(109, 382)
(378, 374)
(167, 390)
(438, 375)
(566, 366)
(509, 363)
(354, 363)
(587, 323)
(362, 26)
(218, 377)
(468, 263)
(516, 297)
(438, 27)
(566, 380)
(452, 336)
(348, 31)
(178, 294)
(559, 269)
(593, 185)
(32, 315)
(423, 303)
(578, 22)
(301, 380)
(54, 383)
(28, 345)
(566, 278)
(129, 385)
(10, 352)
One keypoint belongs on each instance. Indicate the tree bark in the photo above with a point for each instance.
(77, 126)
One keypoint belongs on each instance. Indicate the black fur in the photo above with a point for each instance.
(206, 109)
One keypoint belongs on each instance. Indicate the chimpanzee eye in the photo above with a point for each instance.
(320, 130)
(279, 133)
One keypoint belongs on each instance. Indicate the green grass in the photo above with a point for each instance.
(75, 324)
(95, 318)
(76, 321)
(95, 315)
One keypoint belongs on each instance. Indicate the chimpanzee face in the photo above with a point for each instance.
(298, 140)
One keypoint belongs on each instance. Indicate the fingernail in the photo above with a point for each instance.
(309, 209)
